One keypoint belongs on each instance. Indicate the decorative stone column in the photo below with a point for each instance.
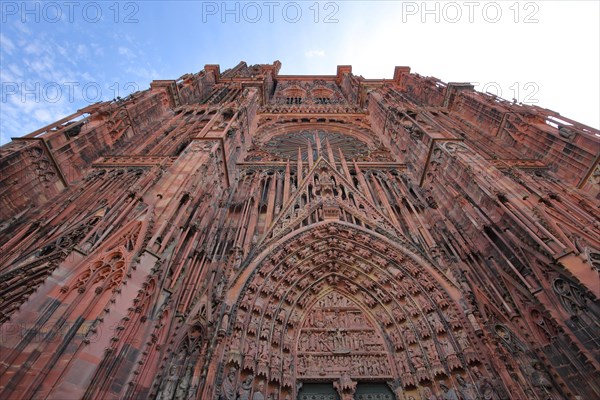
(345, 387)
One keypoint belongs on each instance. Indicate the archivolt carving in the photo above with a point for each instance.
(339, 301)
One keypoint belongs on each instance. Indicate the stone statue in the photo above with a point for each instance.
(228, 387)
(434, 319)
(541, 381)
(417, 359)
(485, 386)
(258, 393)
(169, 388)
(184, 385)
(447, 347)
(466, 390)
(428, 394)
(245, 388)
(448, 393)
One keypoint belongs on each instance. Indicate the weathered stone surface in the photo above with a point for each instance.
(249, 235)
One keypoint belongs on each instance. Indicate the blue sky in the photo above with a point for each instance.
(57, 57)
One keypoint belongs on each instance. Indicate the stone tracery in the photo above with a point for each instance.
(255, 236)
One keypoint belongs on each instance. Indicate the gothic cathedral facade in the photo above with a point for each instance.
(251, 235)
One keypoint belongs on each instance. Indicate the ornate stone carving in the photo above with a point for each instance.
(253, 232)
(337, 338)
(228, 388)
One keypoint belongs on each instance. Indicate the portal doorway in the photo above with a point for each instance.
(364, 391)
(317, 391)
(373, 391)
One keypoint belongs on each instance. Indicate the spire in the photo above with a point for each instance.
(299, 165)
(286, 182)
(330, 152)
(344, 165)
(318, 143)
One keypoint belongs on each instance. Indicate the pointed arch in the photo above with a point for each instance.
(359, 236)
(409, 305)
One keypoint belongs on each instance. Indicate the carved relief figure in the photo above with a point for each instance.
(171, 383)
(465, 389)
(245, 388)
(485, 386)
(447, 392)
(184, 385)
(542, 382)
(258, 392)
(228, 388)
(428, 394)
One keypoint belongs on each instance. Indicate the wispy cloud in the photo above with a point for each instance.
(82, 50)
(111, 53)
(22, 115)
(145, 74)
(6, 44)
(21, 27)
(15, 70)
(315, 53)
(34, 48)
(125, 51)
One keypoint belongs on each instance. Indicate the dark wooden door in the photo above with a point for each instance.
(373, 391)
(317, 391)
